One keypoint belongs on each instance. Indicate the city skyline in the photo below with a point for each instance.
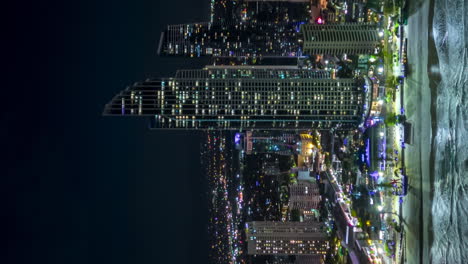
(268, 39)
(266, 97)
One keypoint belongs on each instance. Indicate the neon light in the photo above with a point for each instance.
(237, 138)
(368, 152)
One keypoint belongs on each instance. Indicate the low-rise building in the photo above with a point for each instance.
(286, 238)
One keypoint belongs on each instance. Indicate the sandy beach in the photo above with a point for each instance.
(417, 103)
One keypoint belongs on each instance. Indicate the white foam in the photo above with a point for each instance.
(450, 204)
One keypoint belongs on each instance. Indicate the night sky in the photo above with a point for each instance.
(82, 188)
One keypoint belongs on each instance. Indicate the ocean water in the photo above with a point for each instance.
(450, 200)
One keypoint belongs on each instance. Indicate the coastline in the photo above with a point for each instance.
(434, 80)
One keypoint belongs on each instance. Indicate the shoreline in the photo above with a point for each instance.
(434, 80)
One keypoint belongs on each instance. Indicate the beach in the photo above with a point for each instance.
(435, 210)
(417, 103)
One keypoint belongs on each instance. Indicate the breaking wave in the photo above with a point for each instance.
(450, 147)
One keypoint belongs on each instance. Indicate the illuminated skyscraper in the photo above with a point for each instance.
(251, 98)
(338, 39)
(286, 238)
(268, 39)
(248, 39)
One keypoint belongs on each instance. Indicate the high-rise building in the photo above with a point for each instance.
(338, 39)
(240, 28)
(286, 238)
(265, 98)
(230, 39)
(268, 39)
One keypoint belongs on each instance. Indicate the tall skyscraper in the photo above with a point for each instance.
(286, 238)
(230, 39)
(268, 39)
(234, 98)
(337, 39)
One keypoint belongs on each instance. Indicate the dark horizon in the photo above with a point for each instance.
(82, 188)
